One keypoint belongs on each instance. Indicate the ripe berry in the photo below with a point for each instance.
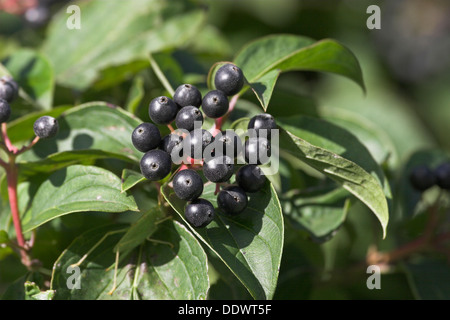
(5, 110)
(187, 184)
(215, 104)
(232, 200)
(187, 95)
(9, 89)
(46, 127)
(162, 110)
(218, 169)
(155, 164)
(250, 178)
(187, 117)
(196, 142)
(146, 137)
(173, 145)
(442, 174)
(229, 79)
(228, 143)
(262, 124)
(257, 151)
(199, 212)
(422, 178)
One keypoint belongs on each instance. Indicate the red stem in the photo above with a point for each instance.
(11, 175)
(9, 145)
(219, 121)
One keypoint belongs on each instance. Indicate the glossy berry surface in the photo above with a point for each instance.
(5, 110)
(199, 212)
(232, 200)
(196, 142)
(187, 95)
(162, 110)
(9, 89)
(262, 124)
(442, 174)
(146, 137)
(187, 184)
(250, 178)
(229, 79)
(155, 164)
(422, 178)
(257, 151)
(215, 104)
(218, 169)
(173, 145)
(228, 143)
(46, 127)
(188, 117)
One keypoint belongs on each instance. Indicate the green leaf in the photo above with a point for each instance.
(127, 35)
(130, 178)
(34, 74)
(91, 126)
(351, 176)
(319, 212)
(283, 53)
(3, 237)
(135, 95)
(21, 129)
(32, 292)
(337, 139)
(264, 87)
(429, 279)
(77, 189)
(250, 244)
(63, 159)
(142, 229)
(174, 267)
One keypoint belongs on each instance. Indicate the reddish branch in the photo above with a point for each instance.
(12, 178)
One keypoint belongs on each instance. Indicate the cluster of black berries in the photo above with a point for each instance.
(216, 153)
(44, 127)
(423, 177)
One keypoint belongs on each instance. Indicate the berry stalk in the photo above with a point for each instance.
(219, 121)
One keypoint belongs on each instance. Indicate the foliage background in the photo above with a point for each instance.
(404, 115)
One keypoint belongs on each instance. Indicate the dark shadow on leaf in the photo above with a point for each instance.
(82, 141)
(57, 179)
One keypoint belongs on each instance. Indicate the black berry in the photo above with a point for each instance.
(187, 118)
(187, 184)
(199, 212)
(229, 79)
(146, 137)
(250, 178)
(262, 124)
(442, 174)
(218, 169)
(9, 89)
(5, 110)
(170, 142)
(422, 178)
(228, 143)
(155, 164)
(257, 151)
(46, 127)
(162, 110)
(215, 104)
(196, 142)
(232, 200)
(187, 95)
